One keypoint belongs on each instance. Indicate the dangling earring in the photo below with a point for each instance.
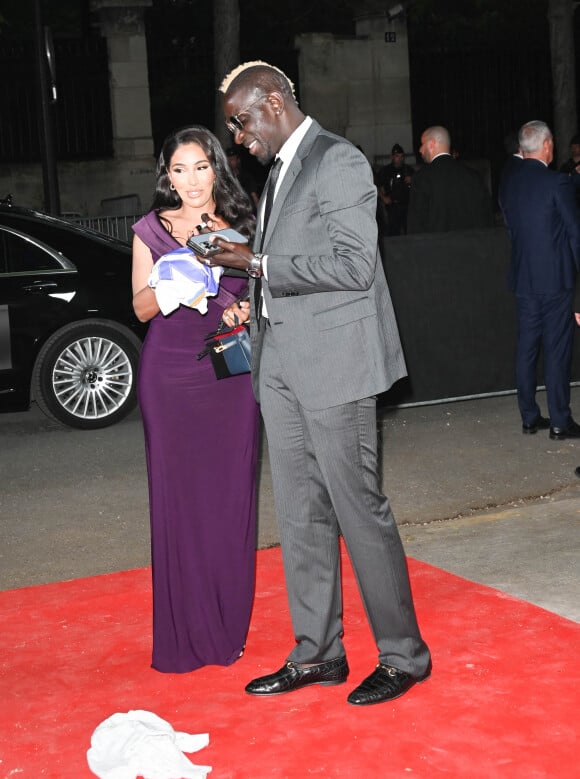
(172, 187)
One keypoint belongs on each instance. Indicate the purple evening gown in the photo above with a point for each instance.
(201, 441)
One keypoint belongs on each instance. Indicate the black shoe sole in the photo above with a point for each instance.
(394, 697)
(330, 683)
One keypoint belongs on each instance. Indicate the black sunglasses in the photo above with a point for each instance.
(235, 124)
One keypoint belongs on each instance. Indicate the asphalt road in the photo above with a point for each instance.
(74, 503)
(471, 494)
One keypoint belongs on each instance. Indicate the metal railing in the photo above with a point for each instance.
(115, 226)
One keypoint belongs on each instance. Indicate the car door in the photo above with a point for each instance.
(37, 289)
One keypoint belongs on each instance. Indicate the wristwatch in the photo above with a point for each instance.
(254, 269)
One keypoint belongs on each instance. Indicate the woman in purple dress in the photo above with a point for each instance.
(201, 435)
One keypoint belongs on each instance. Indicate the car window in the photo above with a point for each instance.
(21, 255)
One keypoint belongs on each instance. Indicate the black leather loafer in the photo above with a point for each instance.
(384, 684)
(541, 423)
(560, 433)
(293, 676)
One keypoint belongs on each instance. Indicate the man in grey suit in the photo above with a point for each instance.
(324, 343)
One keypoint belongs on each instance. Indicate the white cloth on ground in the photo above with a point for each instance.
(139, 743)
(179, 278)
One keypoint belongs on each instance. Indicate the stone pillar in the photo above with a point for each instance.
(121, 23)
(359, 87)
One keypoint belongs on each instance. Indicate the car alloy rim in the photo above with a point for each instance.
(92, 378)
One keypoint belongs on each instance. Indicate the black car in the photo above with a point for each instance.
(69, 339)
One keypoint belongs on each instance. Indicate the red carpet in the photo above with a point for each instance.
(503, 700)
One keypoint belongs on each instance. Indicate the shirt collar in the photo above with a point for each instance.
(292, 143)
(441, 154)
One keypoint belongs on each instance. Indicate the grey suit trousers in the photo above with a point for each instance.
(325, 476)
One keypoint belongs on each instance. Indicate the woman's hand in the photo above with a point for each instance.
(209, 224)
(215, 222)
(239, 309)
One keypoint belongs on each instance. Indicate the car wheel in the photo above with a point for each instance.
(85, 374)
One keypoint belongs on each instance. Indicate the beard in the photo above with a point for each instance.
(265, 154)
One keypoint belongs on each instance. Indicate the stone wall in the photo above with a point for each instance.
(359, 87)
(83, 185)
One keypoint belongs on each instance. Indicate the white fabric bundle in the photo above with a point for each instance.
(179, 278)
(139, 743)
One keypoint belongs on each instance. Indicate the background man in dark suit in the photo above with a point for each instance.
(324, 344)
(445, 194)
(515, 157)
(540, 211)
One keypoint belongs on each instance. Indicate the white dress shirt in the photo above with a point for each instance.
(286, 154)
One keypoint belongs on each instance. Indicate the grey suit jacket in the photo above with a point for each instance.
(326, 294)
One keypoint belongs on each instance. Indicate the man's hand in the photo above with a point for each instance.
(232, 255)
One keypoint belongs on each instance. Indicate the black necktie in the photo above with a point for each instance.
(270, 190)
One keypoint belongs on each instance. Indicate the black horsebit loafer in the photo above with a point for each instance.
(384, 684)
(293, 676)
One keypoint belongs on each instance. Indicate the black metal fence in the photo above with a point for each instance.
(479, 95)
(82, 113)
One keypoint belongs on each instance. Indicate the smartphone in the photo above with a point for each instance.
(202, 246)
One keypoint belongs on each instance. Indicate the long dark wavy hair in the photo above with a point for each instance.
(231, 202)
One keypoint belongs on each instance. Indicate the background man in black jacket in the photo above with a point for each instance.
(445, 194)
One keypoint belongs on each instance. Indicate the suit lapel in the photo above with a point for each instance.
(288, 181)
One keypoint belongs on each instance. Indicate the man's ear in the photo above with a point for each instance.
(548, 147)
(276, 102)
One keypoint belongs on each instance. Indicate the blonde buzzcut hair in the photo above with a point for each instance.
(261, 70)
